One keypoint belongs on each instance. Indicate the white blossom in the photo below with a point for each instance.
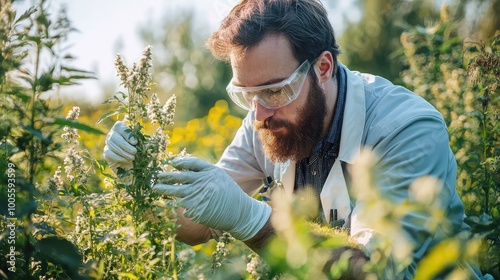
(71, 134)
(74, 113)
(73, 164)
(144, 77)
(56, 181)
(168, 112)
(121, 69)
(153, 108)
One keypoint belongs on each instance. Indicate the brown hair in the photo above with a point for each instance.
(303, 22)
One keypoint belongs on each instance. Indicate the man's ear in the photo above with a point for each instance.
(325, 65)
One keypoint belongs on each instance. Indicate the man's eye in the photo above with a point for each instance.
(274, 90)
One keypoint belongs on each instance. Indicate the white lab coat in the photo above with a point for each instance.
(407, 133)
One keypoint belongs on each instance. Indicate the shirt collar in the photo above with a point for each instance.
(333, 136)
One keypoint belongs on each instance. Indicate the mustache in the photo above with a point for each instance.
(271, 124)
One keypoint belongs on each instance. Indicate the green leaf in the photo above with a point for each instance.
(100, 164)
(62, 252)
(122, 94)
(107, 115)
(18, 93)
(76, 70)
(35, 39)
(112, 99)
(37, 133)
(43, 228)
(26, 14)
(80, 77)
(107, 175)
(72, 124)
(46, 81)
(6, 148)
(128, 275)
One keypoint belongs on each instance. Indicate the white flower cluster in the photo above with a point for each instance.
(186, 255)
(74, 164)
(136, 80)
(163, 115)
(157, 144)
(257, 267)
(145, 63)
(56, 182)
(121, 69)
(138, 76)
(221, 250)
(74, 113)
(71, 134)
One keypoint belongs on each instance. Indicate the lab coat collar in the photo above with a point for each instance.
(354, 118)
(352, 131)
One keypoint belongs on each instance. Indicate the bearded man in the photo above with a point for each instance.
(309, 117)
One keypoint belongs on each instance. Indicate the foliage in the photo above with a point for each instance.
(184, 67)
(209, 135)
(368, 45)
(372, 43)
(74, 219)
(33, 65)
(461, 81)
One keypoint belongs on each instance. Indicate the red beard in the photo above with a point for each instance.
(295, 141)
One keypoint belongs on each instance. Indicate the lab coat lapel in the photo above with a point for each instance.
(335, 194)
(285, 172)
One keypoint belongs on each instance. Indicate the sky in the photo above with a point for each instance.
(106, 27)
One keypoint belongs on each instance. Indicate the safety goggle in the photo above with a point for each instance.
(271, 96)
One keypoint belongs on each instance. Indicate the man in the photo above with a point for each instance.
(309, 116)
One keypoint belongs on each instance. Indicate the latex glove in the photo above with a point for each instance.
(212, 198)
(120, 147)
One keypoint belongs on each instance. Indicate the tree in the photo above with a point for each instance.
(373, 43)
(367, 45)
(184, 67)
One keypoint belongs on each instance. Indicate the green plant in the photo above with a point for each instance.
(135, 227)
(461, 81)
(32, 68)
(484, 71)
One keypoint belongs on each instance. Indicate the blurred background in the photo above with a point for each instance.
(177, 30)
(368, 31)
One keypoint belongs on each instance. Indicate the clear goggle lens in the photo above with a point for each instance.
(271, 96)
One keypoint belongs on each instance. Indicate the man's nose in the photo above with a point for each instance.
(261, 112)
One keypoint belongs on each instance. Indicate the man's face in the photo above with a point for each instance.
(283, 140)
(290, 132)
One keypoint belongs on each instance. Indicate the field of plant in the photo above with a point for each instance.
(66, 214)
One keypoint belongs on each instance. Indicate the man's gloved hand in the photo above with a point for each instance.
(212, 198)
(119, 150)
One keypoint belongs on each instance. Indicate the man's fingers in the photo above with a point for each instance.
(124, 131)
(121, 147)
(177, 177)
(111, 156)
(190, 163)
(173, 190)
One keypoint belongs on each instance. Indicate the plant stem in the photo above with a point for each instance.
(485, 138)
(172, 258)
(32, 150)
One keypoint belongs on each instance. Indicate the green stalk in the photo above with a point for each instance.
(172, 258)
(31, 152)
(485, 137)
